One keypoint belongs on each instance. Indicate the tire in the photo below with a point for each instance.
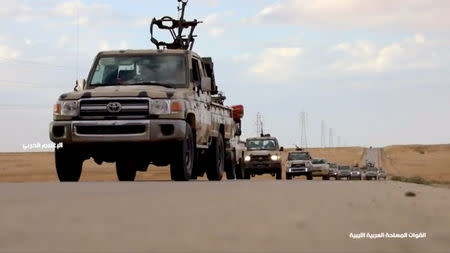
(240, 174)
(68, 164)
(216, 159)
(278, 174)
(325, 178)
(126, 169)
(230, 167)
(309, 176)
(338, 178)
(183, 163)
(288, 177)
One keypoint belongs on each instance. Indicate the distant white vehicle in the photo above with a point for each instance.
(320, 168)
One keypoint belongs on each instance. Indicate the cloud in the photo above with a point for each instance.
(413, 14)
(7, 52)
(366, 56)
(215, 23)
(278, 63)
(62, 41)
(242, 57)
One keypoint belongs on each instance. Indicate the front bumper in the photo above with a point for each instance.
(262, 167)
(101, 131)
(319, 172)
(297, 171)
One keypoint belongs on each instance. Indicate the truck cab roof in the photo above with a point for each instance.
(148, 52)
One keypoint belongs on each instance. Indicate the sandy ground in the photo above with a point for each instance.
(39, 167)
(227, 216)
(430, 162)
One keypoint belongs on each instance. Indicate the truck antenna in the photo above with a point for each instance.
(176, 28)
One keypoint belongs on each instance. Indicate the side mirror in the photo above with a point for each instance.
(206, 84)
(78, 86)
(281, 149)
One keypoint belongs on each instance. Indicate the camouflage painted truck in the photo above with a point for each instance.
(263, 156)
(142, 107)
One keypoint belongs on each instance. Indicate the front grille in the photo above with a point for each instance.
(260, 158)
(110, 130)
(124, 107)
(298, 165)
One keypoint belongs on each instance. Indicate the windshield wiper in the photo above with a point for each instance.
(153, 83)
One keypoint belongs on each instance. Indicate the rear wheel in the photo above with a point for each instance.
(230, 166)
(181, 166)
(126, 169)
(216, 159)
(68, 164)
(246, 175)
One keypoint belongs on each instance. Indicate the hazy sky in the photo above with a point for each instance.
(376, 71)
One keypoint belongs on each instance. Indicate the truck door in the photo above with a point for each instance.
(202, 104)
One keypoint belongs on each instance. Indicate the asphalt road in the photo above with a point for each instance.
(228, 216)
(373, 155)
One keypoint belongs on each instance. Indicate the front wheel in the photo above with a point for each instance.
(68, 165)
(309, 176)
(181, 166)
(240, 173)
(288, 176)
(126, 169)
(325, 178)
(216, 159)
(278, 174)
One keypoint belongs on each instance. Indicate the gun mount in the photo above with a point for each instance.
(176, 28)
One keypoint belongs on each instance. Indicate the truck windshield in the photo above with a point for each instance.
(266, 144)
(344, 168)
(164, 70)
(298, 156)
(318, 161)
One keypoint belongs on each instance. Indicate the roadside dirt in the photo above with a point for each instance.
(39, 167)
(431, 162)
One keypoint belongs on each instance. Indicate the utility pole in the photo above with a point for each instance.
(303, 124)
(322, 134)
(330, 138)
(259, 124)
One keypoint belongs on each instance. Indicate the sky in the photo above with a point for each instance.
(374, 71)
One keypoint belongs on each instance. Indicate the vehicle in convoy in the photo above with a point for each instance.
(355, 173)
(371, 173)
(262, 156)
(298, 164)
(333, 170)
(344, 172)
(381, 174)
(141, 107)
(319, 168)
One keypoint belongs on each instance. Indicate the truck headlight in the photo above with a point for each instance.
(165, 106)
(247, 158)
(66, 108)
(275, 158)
